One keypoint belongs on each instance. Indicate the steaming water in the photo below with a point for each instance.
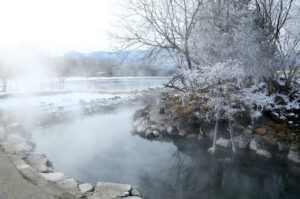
(101, 148)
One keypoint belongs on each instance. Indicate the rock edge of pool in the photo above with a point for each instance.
(22, 165)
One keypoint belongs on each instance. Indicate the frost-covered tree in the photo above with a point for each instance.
(289, 47)
(219, 95)
(199, 32)
(227, 52)
(279, 19)
(162, 26)
(233, 36)
(222, 95)
(272, 16)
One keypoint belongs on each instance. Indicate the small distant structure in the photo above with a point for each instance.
(101, 74)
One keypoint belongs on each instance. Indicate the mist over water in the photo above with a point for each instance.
(101, 148)
(74, 72)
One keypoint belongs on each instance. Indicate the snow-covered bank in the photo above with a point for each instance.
(107, 78)
(78, 92)
(86, 84)
(67, 100)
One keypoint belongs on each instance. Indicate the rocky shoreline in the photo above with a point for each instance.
(37, 169)
(164, 121)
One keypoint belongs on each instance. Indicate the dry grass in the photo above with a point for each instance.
(179, 108)
(186, 108)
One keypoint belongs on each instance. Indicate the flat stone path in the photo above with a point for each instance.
(20, 181)
(15, 185)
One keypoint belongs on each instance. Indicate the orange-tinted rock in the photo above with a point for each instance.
(260, 131)
(282, 133)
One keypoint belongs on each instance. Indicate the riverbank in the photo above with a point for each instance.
(170, 119)
(167, 166)
(24, 174)
(27, 167)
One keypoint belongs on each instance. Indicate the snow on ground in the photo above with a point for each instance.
(91, 84)
(109, 78)
(68, 100)
(77, 92)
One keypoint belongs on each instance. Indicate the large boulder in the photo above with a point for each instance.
(255, 145)
(70, 185)
(64, 182)
(54, 177)
(294, 156)
(169, 130)
(294, 153)
(86, 187)
(260, 131)
(105, 190)
(139, 114)
(40, 163)
(223, 142)
(241, 141)
(135, 192)
(148, 133)
(155, 133)
(264, 153)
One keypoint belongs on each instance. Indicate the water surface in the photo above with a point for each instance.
(101, 148)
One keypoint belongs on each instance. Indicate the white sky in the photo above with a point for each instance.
(56, 26)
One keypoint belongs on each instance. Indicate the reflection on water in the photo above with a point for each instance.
(101, 148)
(200, 176)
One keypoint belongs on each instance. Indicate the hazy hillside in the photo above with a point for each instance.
(125, 63)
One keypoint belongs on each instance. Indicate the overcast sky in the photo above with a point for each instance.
(56, 26)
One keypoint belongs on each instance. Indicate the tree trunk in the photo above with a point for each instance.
(231, 137)
(188, 58)
(215, 136)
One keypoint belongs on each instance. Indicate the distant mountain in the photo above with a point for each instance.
(124, 63)
(126, 58)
